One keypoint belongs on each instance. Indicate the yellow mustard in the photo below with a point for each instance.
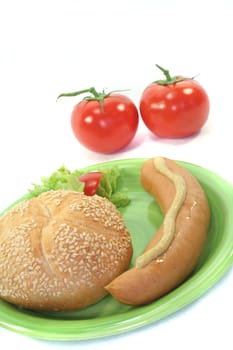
(169, 221)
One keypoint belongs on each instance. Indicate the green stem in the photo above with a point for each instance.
(165, 72)
(169, 80)
(95, 96)
(92, 90)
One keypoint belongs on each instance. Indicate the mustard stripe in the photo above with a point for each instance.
(169, 221)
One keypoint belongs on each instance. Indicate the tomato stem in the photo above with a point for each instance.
(169, 80)
(96, 96)
(92, 90)
(165, 72)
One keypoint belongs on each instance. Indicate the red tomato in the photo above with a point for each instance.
(175, 107)
(105, 129)
(104, 123)
(91, 182)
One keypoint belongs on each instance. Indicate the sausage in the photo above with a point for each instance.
(183, 234)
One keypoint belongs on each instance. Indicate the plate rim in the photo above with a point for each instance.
(117, 324)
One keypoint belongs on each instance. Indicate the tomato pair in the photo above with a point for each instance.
(107, 122)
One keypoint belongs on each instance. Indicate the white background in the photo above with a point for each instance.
(48, 47)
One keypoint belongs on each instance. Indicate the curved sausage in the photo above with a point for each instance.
(187, 218)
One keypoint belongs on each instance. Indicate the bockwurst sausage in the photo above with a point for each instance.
(174, 251)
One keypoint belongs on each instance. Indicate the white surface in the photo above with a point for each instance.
(49, 47)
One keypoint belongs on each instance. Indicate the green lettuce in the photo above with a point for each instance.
(65, 179)
(108, 187)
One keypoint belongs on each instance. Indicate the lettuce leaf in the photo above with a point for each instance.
(108, 187)
(65, 179)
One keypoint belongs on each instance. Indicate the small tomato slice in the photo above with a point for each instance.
(91, 182)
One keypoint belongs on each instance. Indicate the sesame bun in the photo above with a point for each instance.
(59, 250)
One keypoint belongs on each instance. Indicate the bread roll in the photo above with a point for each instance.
(59, 250)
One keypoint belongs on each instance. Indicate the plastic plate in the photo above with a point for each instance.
(142, 216)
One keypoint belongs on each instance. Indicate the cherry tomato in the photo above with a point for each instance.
(175, 107)
(104, 123)
(91, 182)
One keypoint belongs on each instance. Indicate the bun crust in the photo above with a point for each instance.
(59, 250)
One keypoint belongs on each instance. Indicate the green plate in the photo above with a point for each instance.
(142, 217)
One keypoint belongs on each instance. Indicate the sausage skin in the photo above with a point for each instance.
(139, 286)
